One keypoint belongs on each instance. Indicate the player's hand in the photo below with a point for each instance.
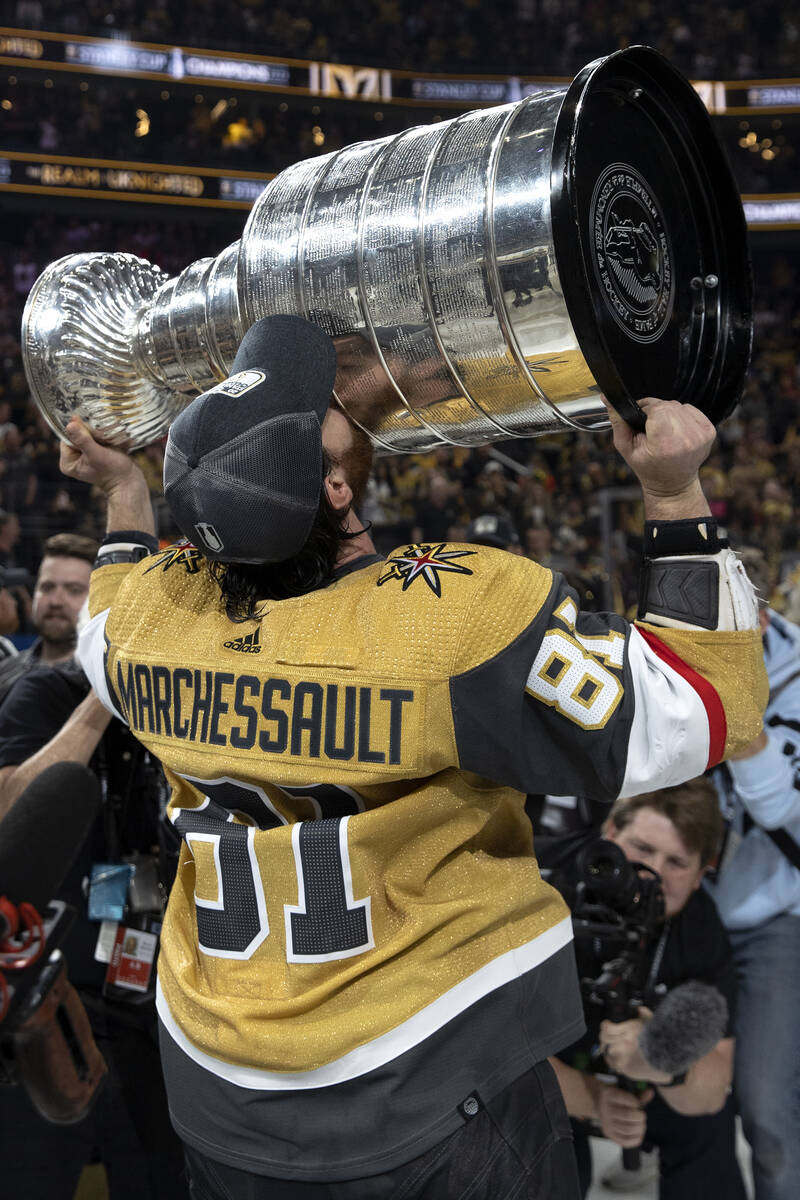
(621, 1115)
(84, 458)
(667, 454)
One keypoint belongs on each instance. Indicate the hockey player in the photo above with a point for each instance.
(362, 973)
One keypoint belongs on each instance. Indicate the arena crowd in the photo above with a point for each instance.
(555, 37)
(544, 499)
(547, 488)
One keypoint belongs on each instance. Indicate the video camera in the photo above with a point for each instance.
(617, 907)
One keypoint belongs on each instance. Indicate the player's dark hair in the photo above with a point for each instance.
(245, 585)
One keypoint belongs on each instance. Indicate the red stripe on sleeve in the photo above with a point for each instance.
(717, 724)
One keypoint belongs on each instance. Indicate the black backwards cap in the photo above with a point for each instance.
(489, 529)
(243, 464)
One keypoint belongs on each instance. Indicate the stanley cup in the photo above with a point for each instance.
(483, 278)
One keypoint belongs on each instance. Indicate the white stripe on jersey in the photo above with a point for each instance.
(669, 736)
(91, 655)
(389, 1045)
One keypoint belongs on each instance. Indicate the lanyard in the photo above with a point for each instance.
(655, 965)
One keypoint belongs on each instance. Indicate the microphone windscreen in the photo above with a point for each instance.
(41, 835)
(688, 1022)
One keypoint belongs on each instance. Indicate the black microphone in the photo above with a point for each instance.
(687, 1024)
(42, 834)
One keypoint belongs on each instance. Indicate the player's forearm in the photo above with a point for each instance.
(129, 505)
(75, 742)
(690, 502)
(707, 1084)
(578, 1089)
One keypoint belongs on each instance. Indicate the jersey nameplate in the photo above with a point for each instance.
(302, 718)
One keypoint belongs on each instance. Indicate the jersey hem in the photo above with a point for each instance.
(397, 1156)
(417, 1028)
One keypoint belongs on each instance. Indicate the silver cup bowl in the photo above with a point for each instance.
(483, 278)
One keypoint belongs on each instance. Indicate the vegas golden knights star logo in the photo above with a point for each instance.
(183, 554)
(425, 562)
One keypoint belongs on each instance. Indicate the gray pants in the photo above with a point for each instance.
(517, 1147)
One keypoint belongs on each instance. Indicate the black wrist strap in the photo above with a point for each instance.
(682, 591)
(667, 539)
(130, 546)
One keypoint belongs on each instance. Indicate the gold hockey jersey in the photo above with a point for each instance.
(357, 877)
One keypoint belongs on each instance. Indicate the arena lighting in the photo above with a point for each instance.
(764, 212)
(120, 180)
(465, 91)
(234, 70)
(774, 95)
(116, 55)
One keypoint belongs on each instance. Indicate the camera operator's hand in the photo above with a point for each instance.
(620, 1044)
(621, 1115)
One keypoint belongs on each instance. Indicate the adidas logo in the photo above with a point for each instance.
(249, 644)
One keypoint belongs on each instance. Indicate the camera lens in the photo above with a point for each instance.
(607, 873)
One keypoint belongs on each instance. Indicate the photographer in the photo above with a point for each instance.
(607, 1078)
(50, 715)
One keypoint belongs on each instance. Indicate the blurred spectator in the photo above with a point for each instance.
(758, 896)
(62, 586)
(489, 529)
(436, 511)
(9, 536)
(9, 618)
(17, 475)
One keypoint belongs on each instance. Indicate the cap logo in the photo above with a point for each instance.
(238, 384)
(209, 537)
